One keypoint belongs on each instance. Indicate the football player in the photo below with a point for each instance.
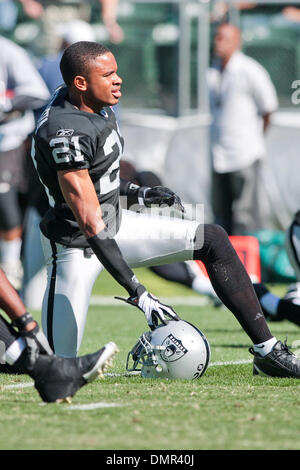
(26, 350)
(76, 149)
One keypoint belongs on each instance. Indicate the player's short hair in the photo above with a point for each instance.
(76, 59)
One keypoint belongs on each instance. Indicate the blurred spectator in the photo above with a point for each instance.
(291, 13)
(32, 8)
(73, 31)
(220, 10)
(242, 99)
(8, 15)
(22, 90)
(52, 12)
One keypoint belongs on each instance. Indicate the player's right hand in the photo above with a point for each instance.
(153, 309)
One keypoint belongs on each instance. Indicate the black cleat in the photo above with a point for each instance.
(280, 362)
(57, 379)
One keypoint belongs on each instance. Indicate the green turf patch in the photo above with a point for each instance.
(227, 408)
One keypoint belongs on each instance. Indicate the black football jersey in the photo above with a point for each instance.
(67, 138)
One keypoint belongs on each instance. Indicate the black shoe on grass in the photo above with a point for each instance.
(57, 379)
(280, 362)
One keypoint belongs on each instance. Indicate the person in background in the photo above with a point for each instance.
(70, 32)
(22, 90)
(51, 12)
(242, 100)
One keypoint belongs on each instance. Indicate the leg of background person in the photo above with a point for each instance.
(184, 274)
(246, 216)
(222, 200)
(14, 179)
(35, 273)
(277, 309)
(11, 237)
(71, 276)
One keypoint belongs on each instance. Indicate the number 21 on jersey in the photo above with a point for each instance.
(61, 152)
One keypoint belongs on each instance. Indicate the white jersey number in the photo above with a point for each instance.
(61, 152)
(111, 178)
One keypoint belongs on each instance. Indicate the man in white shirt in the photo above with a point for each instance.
(242, 99)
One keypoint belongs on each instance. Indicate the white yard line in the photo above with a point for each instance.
(19, 385)
(124, 374)
(230, 363)
(92, 406)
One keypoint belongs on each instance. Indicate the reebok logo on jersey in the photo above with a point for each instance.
(64, 132)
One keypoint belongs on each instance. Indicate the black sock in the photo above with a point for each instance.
(231, 281)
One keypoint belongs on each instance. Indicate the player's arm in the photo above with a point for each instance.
(79, 193)
(15, 107)
(28, 328)
(27, 90)
(146, 196)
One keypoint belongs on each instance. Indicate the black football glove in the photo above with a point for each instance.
(160, 195)
(153, 309)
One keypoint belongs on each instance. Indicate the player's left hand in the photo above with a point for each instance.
(160, 195)
(153, 309)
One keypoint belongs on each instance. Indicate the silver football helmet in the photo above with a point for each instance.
(177, 350)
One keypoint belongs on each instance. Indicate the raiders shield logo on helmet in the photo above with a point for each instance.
(174, 349)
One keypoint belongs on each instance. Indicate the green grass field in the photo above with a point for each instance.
(227, 408)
